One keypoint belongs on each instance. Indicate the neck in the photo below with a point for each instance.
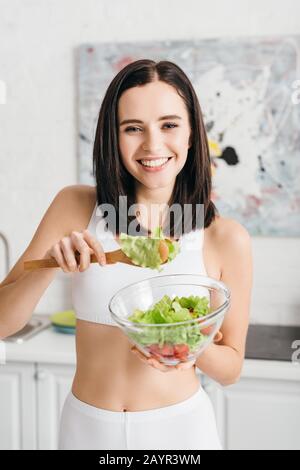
(153, 196)
(154, 202)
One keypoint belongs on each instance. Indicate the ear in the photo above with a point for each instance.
(190, 141)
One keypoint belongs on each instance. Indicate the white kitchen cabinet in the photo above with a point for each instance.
(31, 399)
(53, 384)
(17, 407)
(261, 412)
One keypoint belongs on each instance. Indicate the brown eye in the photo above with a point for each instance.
(129, 129)
(171, 124)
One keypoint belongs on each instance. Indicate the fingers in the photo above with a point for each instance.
(160, 366)
(81, 242)
(142, 357)
(185, 365)
(67, 250)
(138, 353)
(56, 253)
(218, 337)
(83, 248)
(96, 247)
(86, 244)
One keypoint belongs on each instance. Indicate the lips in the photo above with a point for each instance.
(155, 158)
(148, 165)
(154, 162)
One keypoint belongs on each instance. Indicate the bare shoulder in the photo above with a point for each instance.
(75, 204)
(78, 191)
(225, 231)
(229, 241)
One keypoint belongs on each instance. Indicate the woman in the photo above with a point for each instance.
(150, 115)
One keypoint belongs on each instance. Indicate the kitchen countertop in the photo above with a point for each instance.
(51, 347)
(271, 342)
(47, 346)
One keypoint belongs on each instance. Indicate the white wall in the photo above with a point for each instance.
(38, 123)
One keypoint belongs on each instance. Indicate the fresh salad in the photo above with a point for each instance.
(177, 340)
(149, 252)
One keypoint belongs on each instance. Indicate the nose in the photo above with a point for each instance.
(152, 143)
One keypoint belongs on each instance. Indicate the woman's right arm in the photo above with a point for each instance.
(21, 290)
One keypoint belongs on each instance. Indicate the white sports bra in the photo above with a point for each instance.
(92, 289)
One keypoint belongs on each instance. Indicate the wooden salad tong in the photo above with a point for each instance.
(116, 256)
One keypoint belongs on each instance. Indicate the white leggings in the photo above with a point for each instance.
(189, 424)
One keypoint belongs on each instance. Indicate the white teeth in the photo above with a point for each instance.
(154, 163)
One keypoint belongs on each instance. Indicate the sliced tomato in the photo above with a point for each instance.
(181, 348)
(181, 351)
(207, 331)
(182, 357)
(167, 350)
(154, 348)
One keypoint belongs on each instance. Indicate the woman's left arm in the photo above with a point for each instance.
(223, 361)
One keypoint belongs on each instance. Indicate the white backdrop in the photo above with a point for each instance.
(38, 123)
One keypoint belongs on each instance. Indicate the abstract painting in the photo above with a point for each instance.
(247, 89)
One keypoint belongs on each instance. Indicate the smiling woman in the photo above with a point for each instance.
(150, 146)
(151, 119)
(158, 145)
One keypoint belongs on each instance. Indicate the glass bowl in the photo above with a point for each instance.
(175, 342)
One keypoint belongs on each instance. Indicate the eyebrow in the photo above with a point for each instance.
(138, 121)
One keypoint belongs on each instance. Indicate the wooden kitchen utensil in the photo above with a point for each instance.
(117, 256)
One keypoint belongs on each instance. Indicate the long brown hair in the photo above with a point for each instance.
(193, 183)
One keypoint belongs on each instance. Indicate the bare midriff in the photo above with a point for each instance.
(110, 376)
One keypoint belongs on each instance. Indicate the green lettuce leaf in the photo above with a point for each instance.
(144, 251)
(167, 310)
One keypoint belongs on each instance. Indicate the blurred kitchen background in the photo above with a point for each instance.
(56, 59)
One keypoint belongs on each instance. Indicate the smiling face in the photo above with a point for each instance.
(153, 150)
